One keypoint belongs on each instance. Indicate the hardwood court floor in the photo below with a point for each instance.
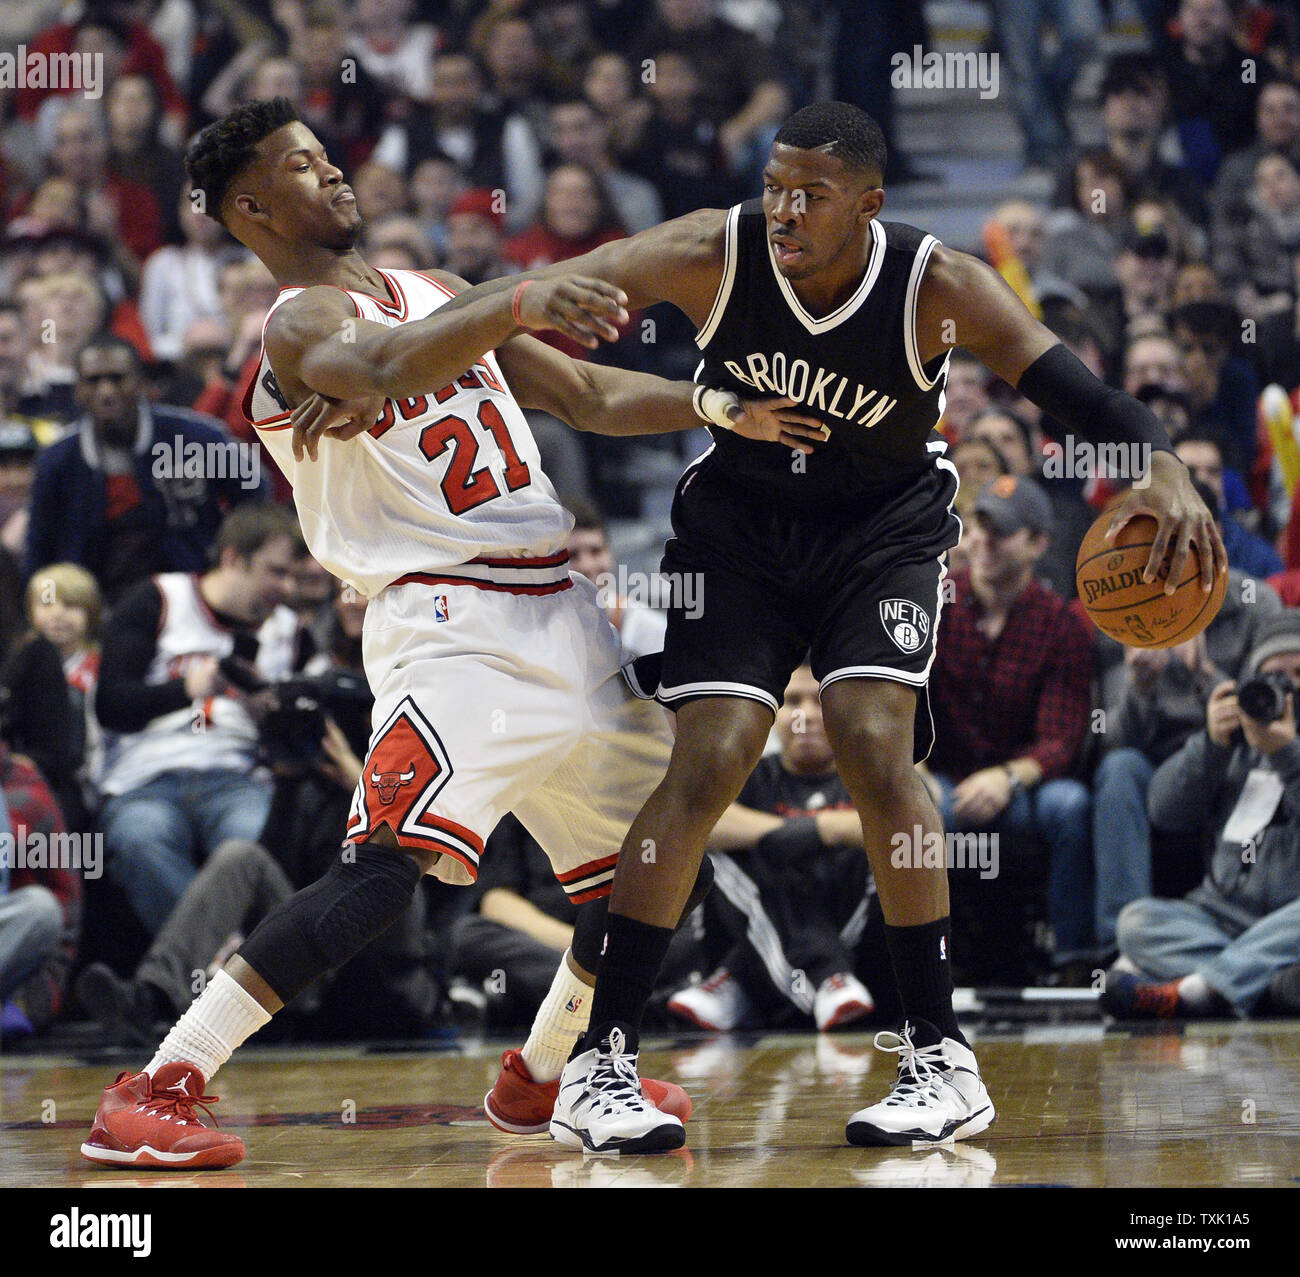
(1212, 1105)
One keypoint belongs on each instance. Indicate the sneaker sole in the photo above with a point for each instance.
(512, 1128)
(208, 1158)
(847, 1014)
(663, 1139)
(685, 1013)
(864, 1135)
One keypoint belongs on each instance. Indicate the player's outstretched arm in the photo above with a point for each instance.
(679, 261)
(964, 302)
(614, 401)
(317, 343)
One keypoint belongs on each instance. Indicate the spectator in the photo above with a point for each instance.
(179, 283)
(741, 90)
(137, 151)
(1040, 86)
(609, 86)
(36, 716)
(126, 46)
(1135, 112)
(1277, 350)
(380, 191)
(680, 150)
(64, 606)
(1082, 243)
(179, 777)
(398, 242)
(1153, 360)
(640, 626)
(979, 461)
(966, 394)
(18, 448)
(1020, 447)
(350, 109)
(119, 209)
(474, 243)
(1202, 453)
(1153, 706)
(493, 148)
(1145, 269)
(1221, 384)
(61, 314)
(1010, 694)
(1216, 951)
(1277, 128)
(1255, 251)
(40, 909)
(786, 922)
(435, 184)
(578, 135)
(1212, 101)
(516, 74)
(394, 50)
(115, 496)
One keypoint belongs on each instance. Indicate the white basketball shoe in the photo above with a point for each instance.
(937, 1096)
(600, 1106)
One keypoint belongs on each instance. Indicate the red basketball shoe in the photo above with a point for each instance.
(520, 1106)
(143, 1121)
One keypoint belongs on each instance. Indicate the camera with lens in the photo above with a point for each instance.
(293, 728)
(1263, 697)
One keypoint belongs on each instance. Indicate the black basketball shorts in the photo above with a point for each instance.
(756, 589)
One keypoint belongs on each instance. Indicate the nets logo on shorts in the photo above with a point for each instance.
(905, 623)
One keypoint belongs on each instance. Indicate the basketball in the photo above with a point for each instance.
(1133, 611)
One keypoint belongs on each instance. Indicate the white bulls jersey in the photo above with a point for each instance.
(446, 479)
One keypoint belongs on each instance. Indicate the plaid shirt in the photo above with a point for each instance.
(32, 810)
(1026, 693)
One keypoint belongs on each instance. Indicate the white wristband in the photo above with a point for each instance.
(712, 405)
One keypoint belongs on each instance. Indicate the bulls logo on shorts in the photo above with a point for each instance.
(905, 623)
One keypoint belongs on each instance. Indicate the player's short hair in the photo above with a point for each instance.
(248, 527)
(223, 150)
(840, 129)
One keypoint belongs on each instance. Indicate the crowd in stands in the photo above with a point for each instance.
(150, 607)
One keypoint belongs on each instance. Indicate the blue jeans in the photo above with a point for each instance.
(1121, 836)
(157, 835)
(1169, 939)
(1040, 86)
(31, 929)
(1058, 813)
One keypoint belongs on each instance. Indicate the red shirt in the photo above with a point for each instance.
(1026, 693)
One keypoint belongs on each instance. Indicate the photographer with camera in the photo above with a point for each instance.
(179, 652)
(1233, 944)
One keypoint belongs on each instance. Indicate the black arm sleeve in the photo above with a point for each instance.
(124, 702)
(1061, 385)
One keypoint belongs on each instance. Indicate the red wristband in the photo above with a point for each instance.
(514, 303)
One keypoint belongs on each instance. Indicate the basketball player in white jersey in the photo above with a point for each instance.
(496, 676)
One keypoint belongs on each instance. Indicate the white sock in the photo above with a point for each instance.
(217, 1021)
(1196, 993)
(560, 1021)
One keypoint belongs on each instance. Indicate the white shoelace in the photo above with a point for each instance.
(926, 1064)
(614, 1078)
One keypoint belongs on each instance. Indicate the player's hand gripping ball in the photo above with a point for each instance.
(1136, 612)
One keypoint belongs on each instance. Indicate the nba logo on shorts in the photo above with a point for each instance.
(440, 612)
(905, 623)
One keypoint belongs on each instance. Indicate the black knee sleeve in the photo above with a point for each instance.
(323, 925)
(589, 925)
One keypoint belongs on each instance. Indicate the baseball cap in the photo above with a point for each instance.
(1012, 502)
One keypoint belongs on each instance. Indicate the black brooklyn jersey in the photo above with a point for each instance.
(858, 369)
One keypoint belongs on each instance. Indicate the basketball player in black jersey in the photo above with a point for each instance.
(809, 294)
